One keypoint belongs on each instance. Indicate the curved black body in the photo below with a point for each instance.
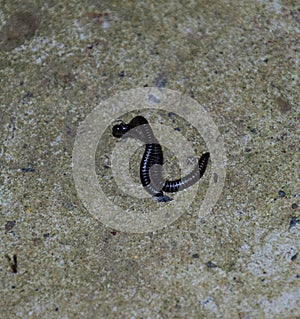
(152, 161)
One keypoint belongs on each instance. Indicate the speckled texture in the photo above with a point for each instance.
(238, 58)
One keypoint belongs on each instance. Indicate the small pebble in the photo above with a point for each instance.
(283, 104)
(9, 225)
(281, 193)
(294, 257)
(210, 264)
(294, 221)
(172, 114)
(216, 177)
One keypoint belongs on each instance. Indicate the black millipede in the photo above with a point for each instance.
(151, 174)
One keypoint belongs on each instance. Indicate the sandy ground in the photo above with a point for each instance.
(237, 59)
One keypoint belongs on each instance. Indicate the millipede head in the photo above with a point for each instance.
(119, 130)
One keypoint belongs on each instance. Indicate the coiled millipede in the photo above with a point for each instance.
(151, 174)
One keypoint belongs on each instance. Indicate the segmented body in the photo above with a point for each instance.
(151, 174)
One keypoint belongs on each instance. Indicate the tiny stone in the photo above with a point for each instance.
(294, 257)
(294, 206)
(9, 225)
(172, 114)
(216, 177)
(281, 193)
(283, 104)
(294, 221)
(210, 264)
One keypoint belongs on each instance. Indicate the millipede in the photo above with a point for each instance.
(151, 173)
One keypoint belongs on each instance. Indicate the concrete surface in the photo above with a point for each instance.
(240, 59)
